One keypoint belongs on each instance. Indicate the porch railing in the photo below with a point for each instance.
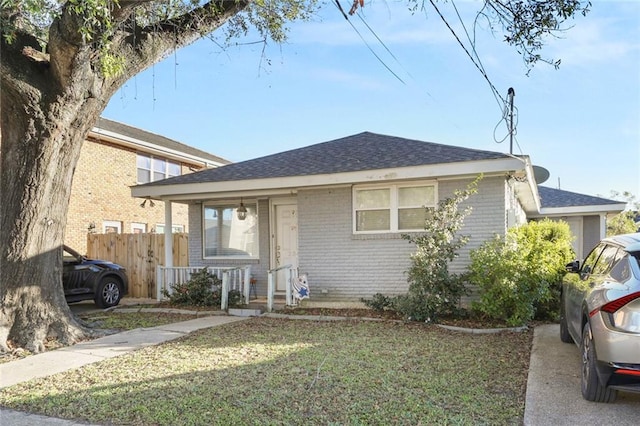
(291, 273)
(233, 278)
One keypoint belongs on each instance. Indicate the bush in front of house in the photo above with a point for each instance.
(519, 276)
(202, 289)
(433, 291)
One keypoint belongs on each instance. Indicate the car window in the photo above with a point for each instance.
(605, 261)
(590, 261)
(620, 270)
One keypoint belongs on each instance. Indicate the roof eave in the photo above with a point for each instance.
(137, 144)
(581, 210)
(203, 190)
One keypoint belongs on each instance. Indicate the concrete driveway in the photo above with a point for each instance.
(553, 388)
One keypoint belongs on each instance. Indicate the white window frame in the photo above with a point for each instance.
(393, 207)
(176, 229)
(111, 224)
(247, 203)
(142, 227)
(152, 171)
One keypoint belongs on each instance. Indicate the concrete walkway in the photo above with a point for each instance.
(553, 387)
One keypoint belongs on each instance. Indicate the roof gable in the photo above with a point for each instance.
(360, 152)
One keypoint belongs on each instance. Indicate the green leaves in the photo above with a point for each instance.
(519, 275)
(433, 291)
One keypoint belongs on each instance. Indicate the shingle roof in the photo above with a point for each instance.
(363, 151)
(143, 135)
(550, 198)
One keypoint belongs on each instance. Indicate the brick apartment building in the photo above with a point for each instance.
(114, 158)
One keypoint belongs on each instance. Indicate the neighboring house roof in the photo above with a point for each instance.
(559, 201)
(362, 158)
(146, 141)
(364, 151)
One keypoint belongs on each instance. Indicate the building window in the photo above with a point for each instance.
(227, 236)
(393, 208)
(111, 227)
(175, 228)
(138, 228)
(152, 168)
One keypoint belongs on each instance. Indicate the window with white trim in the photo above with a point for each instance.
(392, 208)
(151, 169)
(138, 228)
(174, 228)
(225, 235)
(112, 227)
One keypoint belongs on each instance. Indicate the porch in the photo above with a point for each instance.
(238, 279)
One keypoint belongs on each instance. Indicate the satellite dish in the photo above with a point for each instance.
(540, 174)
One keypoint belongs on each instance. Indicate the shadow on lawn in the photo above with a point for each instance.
(263, 371)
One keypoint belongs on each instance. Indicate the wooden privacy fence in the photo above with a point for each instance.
(139, 254)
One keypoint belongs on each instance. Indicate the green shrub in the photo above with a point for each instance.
(433, 291)
(379, 302)
(519, 276)
(202, 289)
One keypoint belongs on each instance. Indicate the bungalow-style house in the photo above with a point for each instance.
(113, 158)
(337, 210)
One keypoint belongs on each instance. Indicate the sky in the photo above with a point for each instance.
(581, 122)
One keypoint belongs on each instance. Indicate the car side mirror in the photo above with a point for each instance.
(573, 266)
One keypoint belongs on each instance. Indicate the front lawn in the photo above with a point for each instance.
(283, 371)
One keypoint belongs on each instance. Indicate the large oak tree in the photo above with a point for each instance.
(61, 61)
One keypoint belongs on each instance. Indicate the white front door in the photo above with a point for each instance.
(285, 245)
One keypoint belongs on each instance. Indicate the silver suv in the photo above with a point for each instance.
(600, 312)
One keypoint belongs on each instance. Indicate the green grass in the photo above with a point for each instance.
(130, 320)
(270, 371)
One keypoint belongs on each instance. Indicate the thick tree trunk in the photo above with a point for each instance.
(44, 125)
(39, 155)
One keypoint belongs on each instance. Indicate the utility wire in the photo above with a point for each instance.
(337, 3)
(484, 74)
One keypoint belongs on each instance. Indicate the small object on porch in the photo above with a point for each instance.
(252, 288)
(300, 289)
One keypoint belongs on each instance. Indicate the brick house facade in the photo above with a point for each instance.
(109, 163)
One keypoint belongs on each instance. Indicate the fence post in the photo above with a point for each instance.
(270, 292)
(224, 297)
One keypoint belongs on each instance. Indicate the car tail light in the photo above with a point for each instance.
(624, 312)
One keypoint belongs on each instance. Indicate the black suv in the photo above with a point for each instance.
(86, 279)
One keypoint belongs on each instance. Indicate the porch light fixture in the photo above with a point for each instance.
(241, 211)
(151, 203)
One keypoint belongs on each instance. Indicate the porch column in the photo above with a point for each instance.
(603, 225)
(168, 235)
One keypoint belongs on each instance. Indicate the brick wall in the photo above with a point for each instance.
(344, 266)
(101, 192)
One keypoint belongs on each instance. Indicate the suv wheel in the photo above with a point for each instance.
(108, 293)
(592, 389)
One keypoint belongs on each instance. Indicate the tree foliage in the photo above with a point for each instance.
(433, 290)
(519, 275)
(627, 221)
